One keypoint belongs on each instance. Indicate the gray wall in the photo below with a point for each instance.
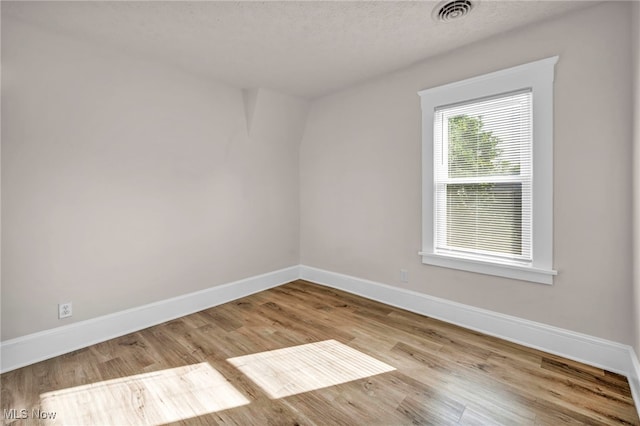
(126, 182)
(360, 176)
(636, 170)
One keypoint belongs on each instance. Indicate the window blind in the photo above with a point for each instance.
(483, 177)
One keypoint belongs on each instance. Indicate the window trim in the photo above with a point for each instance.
(537, 76)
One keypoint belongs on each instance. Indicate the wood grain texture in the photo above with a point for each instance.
(183, 372)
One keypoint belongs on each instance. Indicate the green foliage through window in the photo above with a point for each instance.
(474, 151)
(481, 216)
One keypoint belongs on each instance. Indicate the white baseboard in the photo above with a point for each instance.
(32, 348)
(611, 356)
(634, 378)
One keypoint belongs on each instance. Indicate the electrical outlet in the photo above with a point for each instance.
(404, 275)
(64, 310)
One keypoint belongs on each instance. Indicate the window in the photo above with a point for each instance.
(487, 173)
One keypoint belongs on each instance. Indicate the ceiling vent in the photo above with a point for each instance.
(450, 10)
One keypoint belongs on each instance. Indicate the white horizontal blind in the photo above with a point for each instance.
(483, 178)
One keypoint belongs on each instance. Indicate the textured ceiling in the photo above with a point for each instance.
(302, 48)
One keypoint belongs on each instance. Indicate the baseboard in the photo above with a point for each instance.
(611, 356)
(32, 348)
(634, 378)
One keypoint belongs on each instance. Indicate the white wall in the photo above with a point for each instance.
(360, 177)
(125, 182)
(636, 170)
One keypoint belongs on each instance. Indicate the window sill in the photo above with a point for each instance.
(519, 272)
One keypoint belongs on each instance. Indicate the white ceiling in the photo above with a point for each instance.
(302, 48)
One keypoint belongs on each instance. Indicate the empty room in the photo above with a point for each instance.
(320, 213)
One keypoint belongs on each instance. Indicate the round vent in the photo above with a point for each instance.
(449, 10)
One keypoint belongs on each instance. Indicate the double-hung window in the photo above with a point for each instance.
(487, 173)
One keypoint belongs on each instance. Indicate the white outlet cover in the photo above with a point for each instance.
(65, 310)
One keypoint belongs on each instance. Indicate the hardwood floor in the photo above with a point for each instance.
(303, 354)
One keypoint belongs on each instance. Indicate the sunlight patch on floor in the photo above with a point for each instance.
(297, 369)
(145, 399)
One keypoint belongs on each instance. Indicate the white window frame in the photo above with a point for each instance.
(537, 76)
